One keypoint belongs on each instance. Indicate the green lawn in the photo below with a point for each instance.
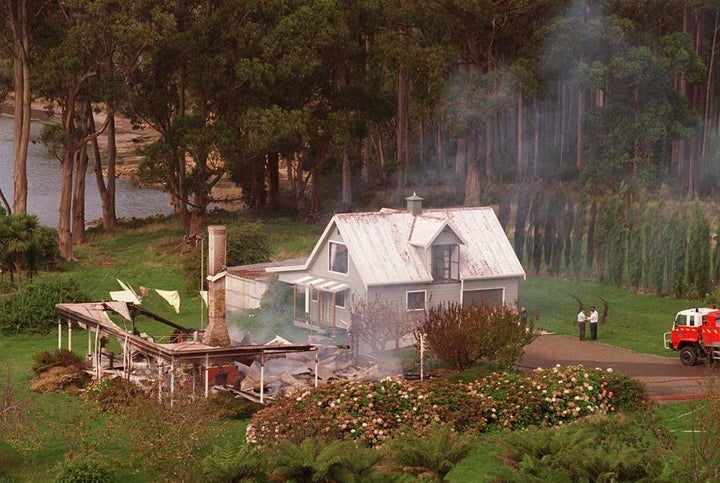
(634, 321)
(150, 255)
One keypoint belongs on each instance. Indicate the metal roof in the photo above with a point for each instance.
(388, 247)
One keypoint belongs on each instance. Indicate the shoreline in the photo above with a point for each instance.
(127, 138)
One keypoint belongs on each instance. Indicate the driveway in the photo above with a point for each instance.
(665, 378)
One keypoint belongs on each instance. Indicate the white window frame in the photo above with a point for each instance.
(407, 300)
(447, 261)
(344, 299)
(332, 252)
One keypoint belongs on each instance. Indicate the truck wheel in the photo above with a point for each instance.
(688, 356)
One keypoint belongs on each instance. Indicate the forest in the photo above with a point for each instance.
(319, 106)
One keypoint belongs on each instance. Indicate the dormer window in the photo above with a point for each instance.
(338, 258)
(445, 263)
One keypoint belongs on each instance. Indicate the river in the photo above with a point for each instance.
(44, 177)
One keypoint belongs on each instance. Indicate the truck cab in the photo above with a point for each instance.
(696, 335)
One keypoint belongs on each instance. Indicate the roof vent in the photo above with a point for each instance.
(414, 204)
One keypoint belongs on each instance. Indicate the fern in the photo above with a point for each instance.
(603, 449)
(231, 464)
(432, 454)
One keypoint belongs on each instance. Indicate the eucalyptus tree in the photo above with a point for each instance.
(157, 96)
(87, 57)
(496, 72)
(305, 103)
(621, 73)
(15, 15)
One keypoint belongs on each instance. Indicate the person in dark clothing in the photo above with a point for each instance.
(593, 319)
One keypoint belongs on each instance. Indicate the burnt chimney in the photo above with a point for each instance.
(216, 333)
(414, 204)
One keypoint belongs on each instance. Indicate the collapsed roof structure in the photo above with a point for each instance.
(180, 358)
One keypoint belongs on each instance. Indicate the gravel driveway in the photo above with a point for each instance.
(665, 378)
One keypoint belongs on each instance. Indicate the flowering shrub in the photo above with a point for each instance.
(371, 411)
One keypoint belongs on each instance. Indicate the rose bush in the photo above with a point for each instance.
(371, 411)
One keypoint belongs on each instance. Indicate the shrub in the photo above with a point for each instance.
(42, 361)
(248, 243)
(112, 393)
(481, 331)
(606, 448)
(176, 434)
(224, 405)
(372, 412)
(84, 472)
(629, 393)
(44, 252)
(31, 310)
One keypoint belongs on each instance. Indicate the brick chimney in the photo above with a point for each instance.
(414, 204)
(216, 333)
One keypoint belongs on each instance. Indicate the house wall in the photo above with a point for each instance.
(509, 284)
(437, 293)
(243, 293)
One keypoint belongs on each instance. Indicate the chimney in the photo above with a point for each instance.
(216, 333)
(414, 204)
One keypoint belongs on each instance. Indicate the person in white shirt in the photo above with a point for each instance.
(581, 318)
(593, 319)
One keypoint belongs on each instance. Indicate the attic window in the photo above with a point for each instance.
(338, 258)
(445, 263)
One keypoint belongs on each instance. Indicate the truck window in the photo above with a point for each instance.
(681, 319)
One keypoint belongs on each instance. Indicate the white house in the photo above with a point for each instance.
(411, 257)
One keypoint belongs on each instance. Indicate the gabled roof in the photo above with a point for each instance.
(426, 228)
(387, 247)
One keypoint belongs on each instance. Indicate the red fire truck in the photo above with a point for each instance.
(696, 335)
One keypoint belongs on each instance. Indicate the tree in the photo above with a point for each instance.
(203, 144)
(377, 323)
(16, 44)
(17, 235)
(467, 334)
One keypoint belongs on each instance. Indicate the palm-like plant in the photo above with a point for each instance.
(17, 233)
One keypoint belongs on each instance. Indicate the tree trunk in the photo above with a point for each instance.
(22, 105)
(64, 238)
(579, 121)
(472, 181)
(708, 91)
(489, 148)
(273, 172)
(536, 139)
(461, 157)
(520, 139)
(403, 95)
(108, 198)
(107, 191)
(78, 198)
(346, 181)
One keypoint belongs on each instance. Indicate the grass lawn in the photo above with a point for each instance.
(151, 255)
(635, 322)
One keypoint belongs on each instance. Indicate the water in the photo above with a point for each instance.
(44, 182)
